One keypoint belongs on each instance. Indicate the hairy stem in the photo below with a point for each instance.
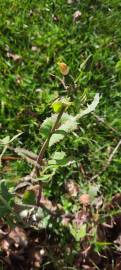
(35, 171)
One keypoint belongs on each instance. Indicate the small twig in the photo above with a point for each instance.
(60, 80)
(108, 162)
(9, 158)
(3, 151)
(82, 170)
(113, 153)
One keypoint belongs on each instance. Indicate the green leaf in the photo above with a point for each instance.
(47, 177)
(57, 106)
(68, 123)
(44, 222)
(93, 190)
(49, 122)
(118, 66)
(67, 127)
(56, 163)
(3, 211)
(4, 191)
(52, 162)
(29, 197)
(55, 139)
(60, 103)
(47, 125)
(99, 246)
(6, 200)
(90, 107)
(58, 155)
(59, 159)
(67, 205)
(78, 233)
(62, 132)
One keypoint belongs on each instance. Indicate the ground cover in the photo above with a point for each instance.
(35, 37)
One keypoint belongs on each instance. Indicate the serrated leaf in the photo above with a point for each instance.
(68, 123)
(67, 127)
(90, 107)
(49, 122)
(29, 156)
(47, 125)
(78, 233)
(55, 139)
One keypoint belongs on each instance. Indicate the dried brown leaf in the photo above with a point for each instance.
(81, 217)
(5, 245)
(48, 204)
(13, 56)
(18, 235)
(72, 188)
(85, 199)
(34, 49)
(76, 16)
(65, 221)
(64, 69)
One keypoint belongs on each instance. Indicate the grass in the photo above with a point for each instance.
(40, 34)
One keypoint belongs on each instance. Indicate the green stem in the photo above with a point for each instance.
(45, 145)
